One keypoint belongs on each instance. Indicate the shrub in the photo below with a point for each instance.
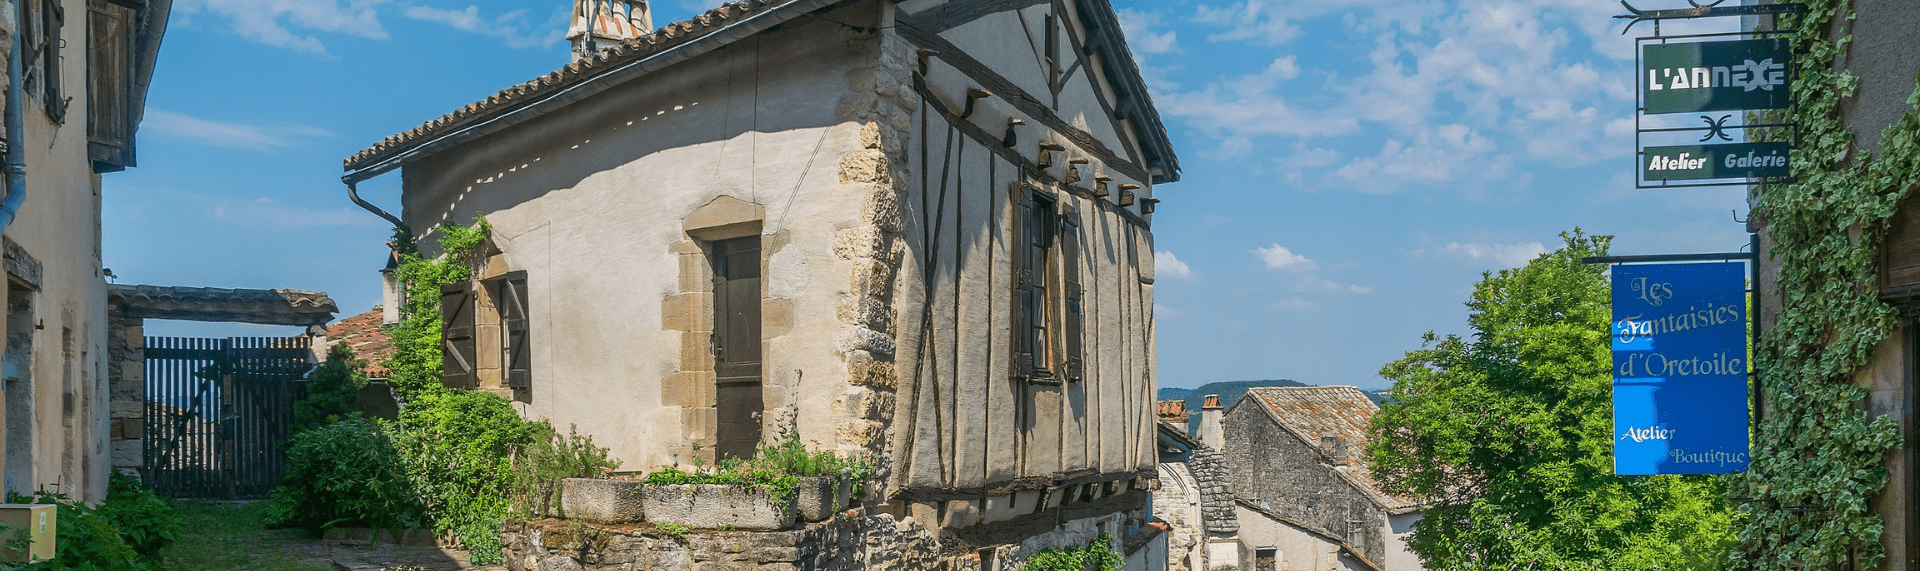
(87, 541)
(147, 522)
(538, 469)
(331, 389)
(456, 444)
(1097, 555)
(775, 468)
(345, 473)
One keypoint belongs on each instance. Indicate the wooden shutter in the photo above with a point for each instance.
(456, 336)
(109, 85)
(1070, 269)
(515, 351)
(53, 17)
(1023, 281)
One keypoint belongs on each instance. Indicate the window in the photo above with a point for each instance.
(1047, 319)
(1265, 558)
(484, 334)
(45, 18)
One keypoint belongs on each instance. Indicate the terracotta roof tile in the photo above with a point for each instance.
(368, 338)
(648, 44)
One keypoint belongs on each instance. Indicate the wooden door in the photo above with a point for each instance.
(736, 345)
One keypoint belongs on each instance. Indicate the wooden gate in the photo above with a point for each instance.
(219, 412)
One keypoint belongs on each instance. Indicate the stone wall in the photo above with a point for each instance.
(848, 541)
(1273, 470)
(126, 387)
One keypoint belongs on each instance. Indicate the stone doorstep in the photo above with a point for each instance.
(379, 558)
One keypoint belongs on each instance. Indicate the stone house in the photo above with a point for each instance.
(1196, 495)
(74, 103)
(918, 231)
(1305, 501)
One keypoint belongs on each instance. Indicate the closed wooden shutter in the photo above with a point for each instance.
(1070, 269)
(1023, 277)
(516, 352)
(109, 85)
(53, 17)
(456, 336)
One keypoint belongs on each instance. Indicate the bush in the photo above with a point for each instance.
(457, 445)
(345, 473)
(331, 390)
(87, 541)
(147, 522)
(538, 469)
(1098, 555)
(775, 468)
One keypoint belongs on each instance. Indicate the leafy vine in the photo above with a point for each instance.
(1817, 462)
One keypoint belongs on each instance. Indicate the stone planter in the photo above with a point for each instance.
(601, 501)
(711, 506)
(819, 498)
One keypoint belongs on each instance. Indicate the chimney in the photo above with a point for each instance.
(601, 24)
(1211, 434)
(390, 287)
(1336, 449)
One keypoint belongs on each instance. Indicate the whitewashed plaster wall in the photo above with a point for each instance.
(59, 226)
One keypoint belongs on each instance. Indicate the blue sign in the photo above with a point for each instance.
(1680, 369)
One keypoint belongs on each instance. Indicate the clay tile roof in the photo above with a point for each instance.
(1340, 412)
(368, 338)
(635, 49)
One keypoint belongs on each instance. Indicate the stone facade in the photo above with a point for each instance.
(1293, 455)
(880, 189)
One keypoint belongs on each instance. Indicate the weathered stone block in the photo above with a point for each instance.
(709, 506)
(818, 498)
(601, 501)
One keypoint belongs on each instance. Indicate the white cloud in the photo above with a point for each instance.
(511, 26)
(1165, 264)
(1278, 257)
(272, 22)
(1144, 34)
(1314, 284)
(1160, 311)
(1507, 255)
(1506, 81)
(168, 124)
(270, 212)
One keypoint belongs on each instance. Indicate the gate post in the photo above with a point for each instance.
(126, 393)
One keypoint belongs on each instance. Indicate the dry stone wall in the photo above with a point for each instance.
(848, 541)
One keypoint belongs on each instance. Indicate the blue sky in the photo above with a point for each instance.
(1351, 166)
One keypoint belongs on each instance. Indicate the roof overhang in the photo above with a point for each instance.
(260, 306)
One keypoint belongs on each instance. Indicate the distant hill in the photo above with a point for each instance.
(1231, 391)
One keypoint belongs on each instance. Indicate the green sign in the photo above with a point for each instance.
(1737, 160)
(1714, 76)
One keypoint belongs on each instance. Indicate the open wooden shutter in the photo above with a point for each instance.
(1070, 268)
(1023, 282)
(456, 336)
(516, 351)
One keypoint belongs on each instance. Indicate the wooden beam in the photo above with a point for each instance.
(957, 13)
(911, 29)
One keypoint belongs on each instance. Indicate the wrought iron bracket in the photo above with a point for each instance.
(1713, 10)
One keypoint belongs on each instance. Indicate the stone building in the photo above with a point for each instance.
(1305, 501)
(74, 101)
(1196, 495)
(917, 230)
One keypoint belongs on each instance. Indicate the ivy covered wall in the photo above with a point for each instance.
(1816, 495)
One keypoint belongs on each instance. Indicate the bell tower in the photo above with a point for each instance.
(599, 24)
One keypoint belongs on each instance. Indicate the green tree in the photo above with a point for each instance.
(331, 389)
(1507, 437)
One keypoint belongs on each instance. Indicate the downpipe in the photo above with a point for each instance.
(16, 161)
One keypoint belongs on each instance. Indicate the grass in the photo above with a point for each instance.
(223, 536)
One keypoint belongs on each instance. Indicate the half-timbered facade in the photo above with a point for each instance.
(916, 230)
